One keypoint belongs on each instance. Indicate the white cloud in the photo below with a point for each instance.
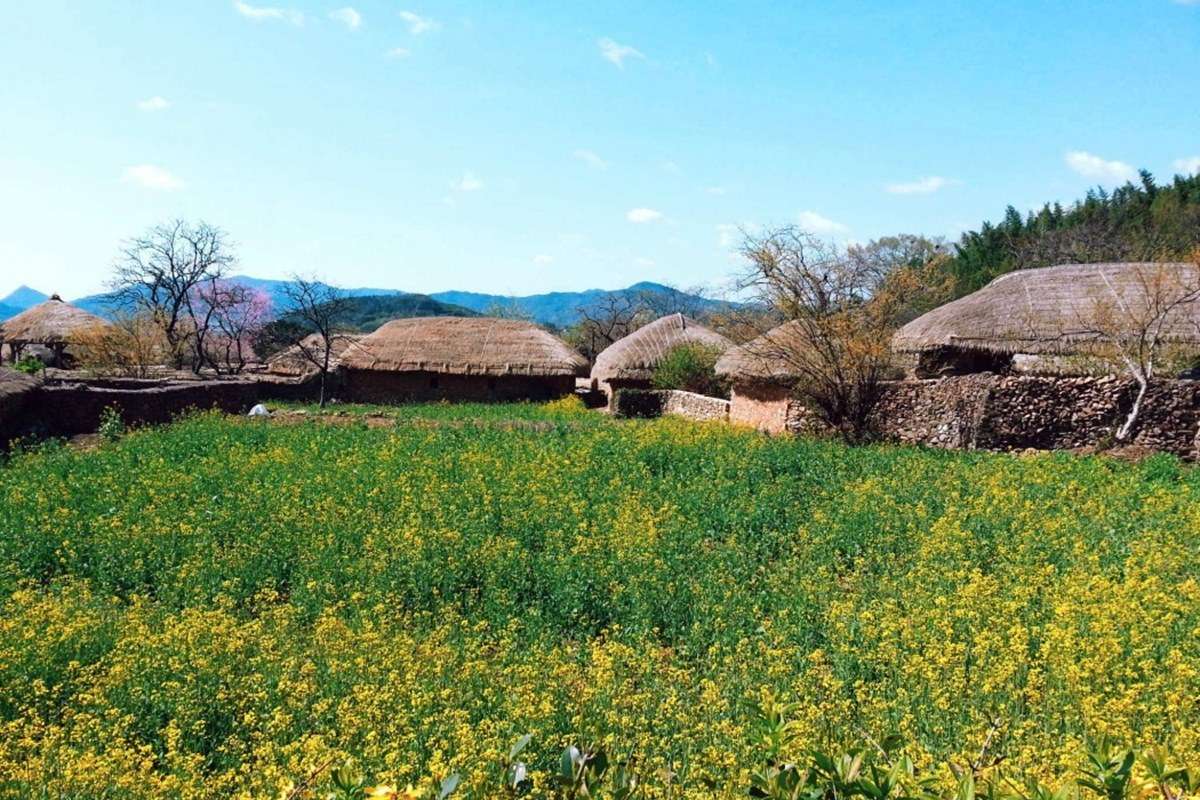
(265, 13)
(1188, 166)
(643, 215)
(813, 222)
(716, 191)
(418, 24)
(672, 167)
(617, 53)
(468, 183)
(542, 259)
(151, 177)
(348, 17)
(398, 52)
(927, 185)
(642, 261)
(1093, 166)
(155, 103)
(591, 158)
(725, 235)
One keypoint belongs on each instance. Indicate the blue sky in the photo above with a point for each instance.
(533, 146)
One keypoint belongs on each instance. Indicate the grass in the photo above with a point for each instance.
(211, 608)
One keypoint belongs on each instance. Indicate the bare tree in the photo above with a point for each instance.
(613, 316)
(159, 272)
(1138, 324)
(839, 319)
(318, 312)
(692, 302)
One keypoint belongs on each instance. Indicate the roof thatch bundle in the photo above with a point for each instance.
(51, 323)
(464, 346)
(767, 357)
(292, 362)
(1052, 310)
(634, 357)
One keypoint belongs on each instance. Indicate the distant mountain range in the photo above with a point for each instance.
(555, 309)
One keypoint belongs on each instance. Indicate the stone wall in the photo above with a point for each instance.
(696, 406)
(1017, 412)
(1001, 412)
(73, 407)
(377, 386)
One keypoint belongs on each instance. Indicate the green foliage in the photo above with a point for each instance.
(112, 425)
(207, 608)
(30, 365)
(1135, 222)
(692, 368)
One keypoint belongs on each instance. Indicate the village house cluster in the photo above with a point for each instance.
(1011, 365)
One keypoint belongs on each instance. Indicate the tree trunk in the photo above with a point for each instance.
(321, 398)
(1127, 427)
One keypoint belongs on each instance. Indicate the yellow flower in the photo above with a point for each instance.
(392, 793)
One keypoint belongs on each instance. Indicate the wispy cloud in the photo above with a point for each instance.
(716, 191)
(617, 53)
(1188, 166)
(398, 52)
(813, 222)
(642, 261)
(268, 13)
(348, 17)
(927, 185)
(150, 176)
(591, 158)
(469, 182)
(640, 216)
(672, 167)
(155, 103)
(542, 259)
(418, 24)
(1092, 166)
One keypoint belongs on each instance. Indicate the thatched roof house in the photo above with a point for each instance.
(480, 358)
(53, 324)
(1044, 312)
(762, 376)
(291, 361)
(764, 359)
(631, 361)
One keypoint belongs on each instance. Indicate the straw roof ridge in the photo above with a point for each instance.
(464, 346)
(764, 358)
(1039, 311)
(635, 357)
(291, 361)
(49, 322)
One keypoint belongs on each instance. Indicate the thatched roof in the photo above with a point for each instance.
(291, 361)
(1047, 310)
(764, 358)
(464, 346)
(51, 322)
(635, 356)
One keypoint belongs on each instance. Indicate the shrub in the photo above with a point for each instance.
(30, 365)
(112, 426)
(692, 368)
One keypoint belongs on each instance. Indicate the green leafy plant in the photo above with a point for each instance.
(30, 365)
(112, 424)
(692, 368)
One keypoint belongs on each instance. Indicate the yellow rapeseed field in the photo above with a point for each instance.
(221, 607)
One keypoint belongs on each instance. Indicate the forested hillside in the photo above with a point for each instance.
(1135, 222)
